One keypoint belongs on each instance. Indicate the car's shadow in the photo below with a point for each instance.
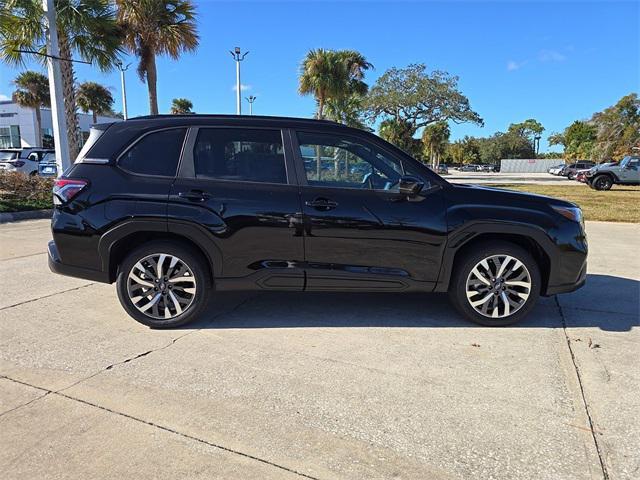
(607, 302)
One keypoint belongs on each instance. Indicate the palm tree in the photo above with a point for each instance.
(435, 138)
(157, 27)
(86, 28)
(181, 106)
(33, 91)
(331, 74)
(93, 97)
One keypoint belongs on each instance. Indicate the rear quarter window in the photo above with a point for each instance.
(156, 153)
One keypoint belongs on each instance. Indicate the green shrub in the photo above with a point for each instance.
(23, 192)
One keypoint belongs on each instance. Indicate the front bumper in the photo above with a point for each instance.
(56, 266)
(569, 287)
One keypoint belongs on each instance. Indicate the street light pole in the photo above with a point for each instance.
(123, 69)
(63, 162)
(238, 57)
(251, 99)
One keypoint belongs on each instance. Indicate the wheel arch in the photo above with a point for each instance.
(118, 241)
(531, 239)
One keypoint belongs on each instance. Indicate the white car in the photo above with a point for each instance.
(556, 170)
(23, 160)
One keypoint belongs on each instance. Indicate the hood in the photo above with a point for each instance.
(512, 198)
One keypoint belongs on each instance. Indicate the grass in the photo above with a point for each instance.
(14, 205)
(620, 204)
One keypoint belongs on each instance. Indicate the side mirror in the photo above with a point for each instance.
(410, 186)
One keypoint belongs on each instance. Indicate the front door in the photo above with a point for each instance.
(360, 232)
(235, 183)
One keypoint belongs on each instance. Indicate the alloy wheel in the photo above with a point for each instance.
(498, 286)
(161, 286)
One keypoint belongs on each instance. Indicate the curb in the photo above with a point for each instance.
(7, 217)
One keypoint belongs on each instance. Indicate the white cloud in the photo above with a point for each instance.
(551, 56)
(4, 97)
(243, 87)
(513, 65)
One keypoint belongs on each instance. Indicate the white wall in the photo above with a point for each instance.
(528, 165)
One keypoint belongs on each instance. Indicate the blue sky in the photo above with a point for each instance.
(553, 61)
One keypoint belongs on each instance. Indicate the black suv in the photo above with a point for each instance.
(172, 207)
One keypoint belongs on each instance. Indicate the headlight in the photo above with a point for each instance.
(571, 213)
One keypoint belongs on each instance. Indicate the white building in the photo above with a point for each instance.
(18, 124)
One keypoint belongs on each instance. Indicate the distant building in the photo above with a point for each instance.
(528, 165)
(18, 125)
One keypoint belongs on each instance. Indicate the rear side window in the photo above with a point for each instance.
(240, 154)
(156, 153)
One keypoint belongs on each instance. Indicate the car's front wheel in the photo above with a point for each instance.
(495, 284)
(602, 182)
(163, 284)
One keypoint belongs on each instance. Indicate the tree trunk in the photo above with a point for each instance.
(152, 78)
(38, 126)
(95, 117)
(69, 94)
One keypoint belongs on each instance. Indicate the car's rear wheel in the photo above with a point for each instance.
(495, 284)
(163, 284)
(602, 182)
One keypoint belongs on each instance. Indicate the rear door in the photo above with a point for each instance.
(359, 231)
(238, 184)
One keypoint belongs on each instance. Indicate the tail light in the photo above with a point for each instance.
(17, 163)
(64, 189)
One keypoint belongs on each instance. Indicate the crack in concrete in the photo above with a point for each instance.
(46, 296)
(164, 428)
(22, 256)
(592, 429)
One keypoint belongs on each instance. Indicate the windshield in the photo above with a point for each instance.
(624, 161)
(4, 155)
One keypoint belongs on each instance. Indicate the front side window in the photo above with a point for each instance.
(240, 154)
(156, 153)
(335, 161)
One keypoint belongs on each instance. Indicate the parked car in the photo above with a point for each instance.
(468, 168)
(47, 166)
(169, 206)
(604, 176)
(570, 170)
(557, 170)
(442, 169)
(23, 160)
(581, 176)
(486, 168)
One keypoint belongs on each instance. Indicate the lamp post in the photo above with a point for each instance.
(238, 57)
(123, 69)
(536, 144)
(60, 126)
(251, 99)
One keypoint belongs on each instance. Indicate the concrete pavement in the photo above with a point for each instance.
(318, 385)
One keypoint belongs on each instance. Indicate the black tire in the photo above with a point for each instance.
(463, 268)
(572, 176)
(602, 182)
(188, 256)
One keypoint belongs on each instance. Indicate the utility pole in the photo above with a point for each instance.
(63, 162)
(251, 99)
(123, 69)
(238, 57)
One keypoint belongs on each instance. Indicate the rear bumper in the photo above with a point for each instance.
(56, 266)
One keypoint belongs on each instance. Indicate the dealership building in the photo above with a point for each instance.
(18, 124)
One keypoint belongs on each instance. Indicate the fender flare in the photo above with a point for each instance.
(460, 238)
(191, 232)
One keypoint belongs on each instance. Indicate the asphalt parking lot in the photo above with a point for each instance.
(323, 386)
